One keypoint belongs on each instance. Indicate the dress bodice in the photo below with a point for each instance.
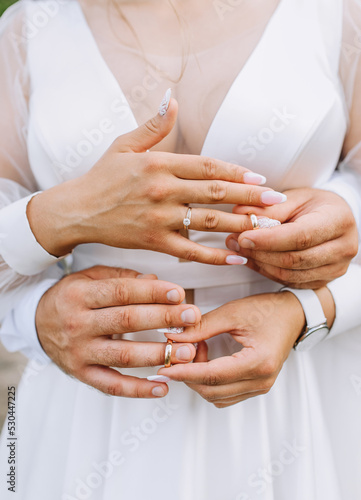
(284, 117)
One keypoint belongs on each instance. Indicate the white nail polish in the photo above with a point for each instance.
(173, 330)
(163, 108)
(159, 378)
(252, 178)
(265, 222)
(273, 198)
(235, 260)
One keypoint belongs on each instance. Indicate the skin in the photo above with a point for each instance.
(267, 327)
(313, 246)
(134, 199)
(307, 251)
(90, 307)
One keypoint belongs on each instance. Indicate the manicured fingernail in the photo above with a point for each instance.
(159, 392)
(235, 260)
(163, 108)
(247, 243)
(265, 222)
(273, 198)
(183, 353)
(173, 330)
(158, 378)
(188, 316)
(233, 245)
(252, 178)
(173, 296)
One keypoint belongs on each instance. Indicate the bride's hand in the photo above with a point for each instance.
(77, 318)
(267, 327)
(313, 247)
(135, 199)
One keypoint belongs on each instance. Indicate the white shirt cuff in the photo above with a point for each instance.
(346, 292)
(18, 331)
(346, 185)
(18, 245)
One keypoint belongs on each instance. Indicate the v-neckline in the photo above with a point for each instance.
(112, 77)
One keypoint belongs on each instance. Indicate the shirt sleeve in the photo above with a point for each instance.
(346, 181)
(26, 270)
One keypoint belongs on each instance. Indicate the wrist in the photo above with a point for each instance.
(315, 307)
(54, 217)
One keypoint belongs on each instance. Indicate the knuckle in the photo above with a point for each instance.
(207, 394)
(212, 220)
(285, 275)
(150, 165)
(121, 292)
(217, 191)
(74, 291)
(266, 386)
(292, 260)
(168, 318)
(72, 325)
(352, 249)
(112, 390)
(252, 198)
(151, 126)
(209, 168)
(124, 358)
(125, 319)
(303, 240)
(157, 192)
(212, 380)
(267, 369)
(191, 255)
(220, 406)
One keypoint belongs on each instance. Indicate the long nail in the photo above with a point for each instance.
(163, 108)
(273, 198)
(235, 260)
(252, 178)
(265, 222)
(159, 378)
(172, 330)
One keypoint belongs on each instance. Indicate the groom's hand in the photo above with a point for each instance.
(78, 317)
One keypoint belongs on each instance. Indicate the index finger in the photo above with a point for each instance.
(305, 232)
(126, 291)
(220, 371)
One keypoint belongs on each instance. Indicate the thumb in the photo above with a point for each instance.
(153, 131)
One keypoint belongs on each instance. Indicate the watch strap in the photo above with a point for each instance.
(311, 306)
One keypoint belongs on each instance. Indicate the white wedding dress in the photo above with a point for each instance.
(300, 441)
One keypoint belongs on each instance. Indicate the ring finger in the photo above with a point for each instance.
(208, 219)
(129, 354)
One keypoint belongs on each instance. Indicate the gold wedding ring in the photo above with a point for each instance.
(254, 221)
(187, 219)
(168, 354)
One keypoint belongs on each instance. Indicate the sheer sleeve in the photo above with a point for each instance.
(346, 181)
(17, 183)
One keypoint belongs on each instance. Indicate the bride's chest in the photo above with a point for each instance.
(276, 110)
